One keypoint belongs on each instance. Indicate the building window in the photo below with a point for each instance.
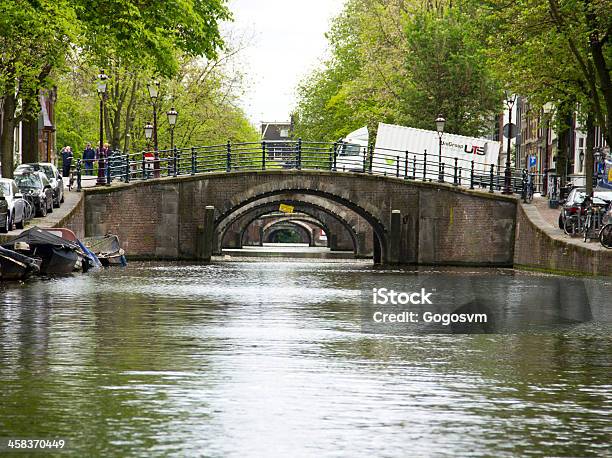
(284, 133)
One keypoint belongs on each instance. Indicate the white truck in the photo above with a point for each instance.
(352, 151)
(394, 143)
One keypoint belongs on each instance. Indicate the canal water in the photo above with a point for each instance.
(276, 358)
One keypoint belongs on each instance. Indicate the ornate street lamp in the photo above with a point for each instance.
(148, 130)
(440, 121)
(172, 118)
(510, 100)
(101, 85)
(153, 88)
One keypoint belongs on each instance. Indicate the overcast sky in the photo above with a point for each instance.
(287, 40)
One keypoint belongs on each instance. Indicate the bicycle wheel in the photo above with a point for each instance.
(573, 226)
(605, 236)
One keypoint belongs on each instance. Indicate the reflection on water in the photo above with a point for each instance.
(270, 359)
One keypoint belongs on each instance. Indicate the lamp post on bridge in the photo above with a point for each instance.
(440, 121)
(510, 100)
(101, 88)
(148, 131)
(172, 118)
(153, 88)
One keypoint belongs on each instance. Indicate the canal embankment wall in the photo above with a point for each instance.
(540, 246)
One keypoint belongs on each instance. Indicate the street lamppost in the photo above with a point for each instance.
(101, 87)
(172, 118)
(148, 131)
(153, 88)
(510, 99)
(440, 121)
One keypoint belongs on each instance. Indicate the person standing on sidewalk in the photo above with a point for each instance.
(89, 156)
(66, 161)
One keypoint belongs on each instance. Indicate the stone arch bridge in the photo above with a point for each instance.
(402, 221)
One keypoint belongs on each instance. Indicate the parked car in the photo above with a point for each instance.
(16, 205)
(52, 174)
(4, 216)
(36, 186)
(572, 204)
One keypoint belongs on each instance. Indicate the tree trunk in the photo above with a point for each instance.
(564, 127)
(596, 44)
(588, 158)
(7, 136)
(29, 140)
(129, 116)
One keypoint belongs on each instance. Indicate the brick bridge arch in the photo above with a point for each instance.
(435, 223)
(231, 234)
(319, 184)
(300, 226)
(267, 222)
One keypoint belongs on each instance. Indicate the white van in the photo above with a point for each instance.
(352, 151)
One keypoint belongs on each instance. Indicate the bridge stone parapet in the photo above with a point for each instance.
(439, 223)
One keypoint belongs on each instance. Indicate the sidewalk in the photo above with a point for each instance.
(71, 200)
(548, 220)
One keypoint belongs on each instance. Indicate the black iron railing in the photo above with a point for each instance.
(302, 155)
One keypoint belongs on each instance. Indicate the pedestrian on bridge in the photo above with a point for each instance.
(89, 156)
(66, 161)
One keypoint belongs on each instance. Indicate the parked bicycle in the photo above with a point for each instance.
(587, 221)
(605, 234)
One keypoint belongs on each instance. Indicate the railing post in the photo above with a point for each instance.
(456, 182)
(425, 166)
(299, 154)
(193, 161)
(497, 178)
(371, 156)
(263, 155)
(144, 167)
(441, 173)
(397, 167)
(365, 159)
(335, 156)
(472, 176)
(414, 167)
(78, 169)
(127, 168)
(108, 170)
(228, 165)
(491, 173)
(176, 162)
(406, 165)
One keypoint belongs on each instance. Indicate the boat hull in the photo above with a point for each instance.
(16, 266)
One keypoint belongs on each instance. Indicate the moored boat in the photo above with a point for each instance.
(58, 255)
(87, 259)
(107, 248)
(16, 266)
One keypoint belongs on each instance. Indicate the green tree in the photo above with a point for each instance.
(554, 51)
(36, 36)
(399, 61)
